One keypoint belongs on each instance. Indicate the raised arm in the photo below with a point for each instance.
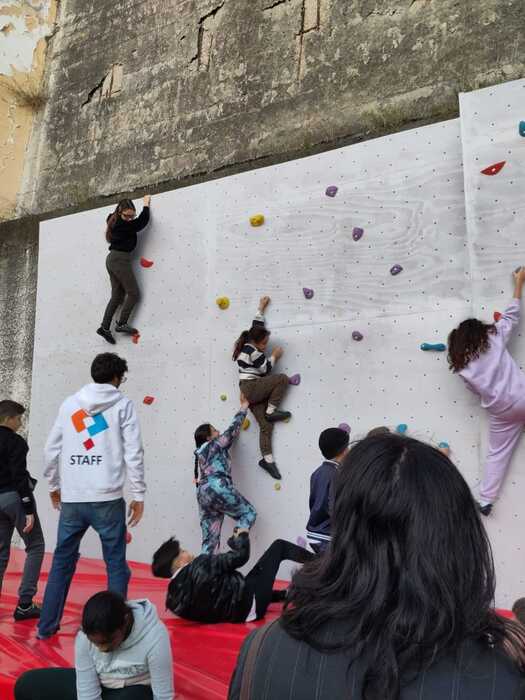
(511, 316)
(236, 557)
(229, 435)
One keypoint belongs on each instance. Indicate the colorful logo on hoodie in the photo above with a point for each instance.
(97, 426)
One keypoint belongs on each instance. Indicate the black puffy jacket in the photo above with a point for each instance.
(210, 589)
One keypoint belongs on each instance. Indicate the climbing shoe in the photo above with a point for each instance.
(107, 335)
(277, 416)
(125, 328)
(30, 613)
(271, 468)
(486, 509)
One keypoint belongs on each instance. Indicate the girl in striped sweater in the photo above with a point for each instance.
(263, 390)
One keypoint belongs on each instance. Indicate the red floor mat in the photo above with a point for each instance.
(204, 654)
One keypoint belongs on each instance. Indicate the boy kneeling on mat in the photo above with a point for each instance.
(209, 589)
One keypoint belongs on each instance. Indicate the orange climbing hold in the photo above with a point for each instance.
(148, 400)
(145, 262)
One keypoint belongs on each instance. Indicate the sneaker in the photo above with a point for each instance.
(486, 509)
(125, 328)
(271, 468)
(279, 596)
(107, 335)
(29, 613)
(277, 416)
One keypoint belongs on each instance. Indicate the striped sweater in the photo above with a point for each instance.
(252, 362)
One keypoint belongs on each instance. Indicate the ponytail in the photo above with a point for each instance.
(241, 340)
(257, 333)
(196, 470)
(112, 218)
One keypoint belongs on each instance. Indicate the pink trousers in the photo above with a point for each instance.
(505, 430)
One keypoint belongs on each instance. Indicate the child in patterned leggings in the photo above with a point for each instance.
(216, 494)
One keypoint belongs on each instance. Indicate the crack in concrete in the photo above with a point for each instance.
(275, 4)
(205, 39)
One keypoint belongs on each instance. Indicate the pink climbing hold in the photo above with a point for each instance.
(129, 537)
(295, 379)
(345, 427)
(331, 191)
(145, 262)
(357, 233)
(356, 335)
(493, 169)
(396, 269)
(308, 293)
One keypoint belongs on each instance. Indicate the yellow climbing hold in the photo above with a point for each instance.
(277, 486)
(224, 397)
(223, 302)
(257, 220)
(246, 424)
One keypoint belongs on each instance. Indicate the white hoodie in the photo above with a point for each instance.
(95, 438)
(144, 658)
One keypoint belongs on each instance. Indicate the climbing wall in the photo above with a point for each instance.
(406, 194)
(495, 210)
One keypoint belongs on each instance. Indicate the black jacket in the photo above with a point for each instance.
(209, 589)
(124, 233)
(13, 468)
(288, 669)
(318, 526)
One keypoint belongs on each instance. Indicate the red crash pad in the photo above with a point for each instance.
(204, 655)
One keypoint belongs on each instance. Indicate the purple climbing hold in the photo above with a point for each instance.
(308, 292)
(357, 233)
(331, 191)
(356, 335)
(301, 542)
(396, 269)
(345, 427)
(295, 379)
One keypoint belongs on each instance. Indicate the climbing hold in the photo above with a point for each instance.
(295, 379)
(148, 400)
(145, 262)
(444, 446)
(522, 128)
(493, 169)
(396, 269)
(308, 293)
(301, 542)
(224, 397)
(277, 486)
(222, 302)
(257, 220)
(437, 347)
(357, 233)
(517, 269)
(287, 420)
(402, 428)
(246, 424)
(331, 191)
(345, 427)
(356, 335)
(135, 338)
(128, 537)
(497, 316)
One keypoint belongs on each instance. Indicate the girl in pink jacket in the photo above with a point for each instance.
(478, 352)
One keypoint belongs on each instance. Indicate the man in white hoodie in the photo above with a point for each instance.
(95, 440)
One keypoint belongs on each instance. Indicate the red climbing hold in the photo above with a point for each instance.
(494, 169)
(497, 316)
(145, 262)
(129, 537)
(135, 338)
(148, 400)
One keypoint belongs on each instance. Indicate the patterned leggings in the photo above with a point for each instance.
(218, 497)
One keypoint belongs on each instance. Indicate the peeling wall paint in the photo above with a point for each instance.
(22, 26)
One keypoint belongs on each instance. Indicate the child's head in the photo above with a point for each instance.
(467, 342)
(169, 558)
(108, 368)
(519, 610)
(333, 443)
(11, 414)
(205, 432)
(258, 336)
(380, 430)
(106, 620)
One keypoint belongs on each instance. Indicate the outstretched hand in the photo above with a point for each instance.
(263, 303)
(147, 200)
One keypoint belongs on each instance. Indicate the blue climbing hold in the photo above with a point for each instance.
(402, 428)
(522, 128)
(437, 347)
(443, 445)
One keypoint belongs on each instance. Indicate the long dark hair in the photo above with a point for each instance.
(112, 218)
(202, 435)
(409, 571)
(467, 342)
(256, 334)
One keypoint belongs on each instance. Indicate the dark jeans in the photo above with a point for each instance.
(261, 392)
(108, 519)
(124, 287)
(261, 578)
(12, 516)
(60, 684)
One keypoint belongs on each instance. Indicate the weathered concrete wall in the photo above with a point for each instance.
(159, 93)
(24, 28)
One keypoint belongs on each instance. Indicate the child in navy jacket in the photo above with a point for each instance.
(333, 443)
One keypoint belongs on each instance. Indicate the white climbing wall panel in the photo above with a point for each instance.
(406, 192)
(495, 210)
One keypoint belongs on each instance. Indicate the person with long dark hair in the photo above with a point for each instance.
(264, 390)
(121, 234)
(216, 493)
(400, 605)
(478, 352)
